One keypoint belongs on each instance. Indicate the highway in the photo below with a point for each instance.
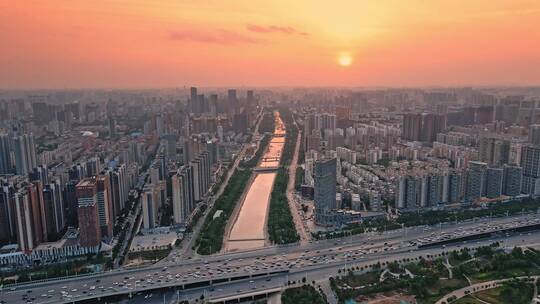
(316, 273)
(317, 260)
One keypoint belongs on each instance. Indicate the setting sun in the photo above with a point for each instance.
(345, 60)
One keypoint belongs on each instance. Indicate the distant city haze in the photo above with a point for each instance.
(166, 43)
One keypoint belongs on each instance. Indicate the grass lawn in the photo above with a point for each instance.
(435, 267)
(449, 285)
(150, 255)
(441, 288)
(306, 294)
(468, 300)
(490, 295)
(361, 280)
(489, 276)
(482, 277)
(430, 285)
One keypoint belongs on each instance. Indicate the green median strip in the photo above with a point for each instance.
(281, 228)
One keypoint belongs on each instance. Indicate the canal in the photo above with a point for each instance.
(248, 231)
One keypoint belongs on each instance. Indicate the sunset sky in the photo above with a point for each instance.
(165, 43)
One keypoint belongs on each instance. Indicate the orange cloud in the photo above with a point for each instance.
(220, 36)
(274, 29)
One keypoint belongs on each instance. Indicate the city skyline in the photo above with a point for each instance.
(138, 44)
(284, 185)
(277, 151)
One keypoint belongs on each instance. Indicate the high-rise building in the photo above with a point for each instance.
(201, 175)
(53, 215)
(494, 183)
(92, 166)
(455, 182)
(119, 187)
(417, 191)
(325, 189)
(150, 207)
(74, 109)
(445, 191)
(213, 104)
(41, 110)
(6, 165)
(220, 133)
(484, 115)
(213, 152)
(400, 192)
(25, 223)
(412, 126)
(375, 202)
(7, 214)
(534, 134)
(25, 153)
(202, 104)
(27, 214)
(530, 162)
(413, 192)
(39, 173)
(70, 203)
(232, 102)
(328, 122)
(77, 172)
(178, 200)
(170, 147)
(193, 93)
(485, 152)
(513, 176)
(501, 152)
(434, 190)
(495, 152)
(160, 126)
(197, 169)
(249, 98)
(35, 195)
(112, 128)
(183, 194)
(197, 102)
(104, 203)
(432, 124)
(423, 127)
(313, 142)
(87, 212)
(240, 122)
(476, 181)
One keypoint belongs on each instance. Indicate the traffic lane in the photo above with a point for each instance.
(328, 269)
(325, 272)
(239, 264)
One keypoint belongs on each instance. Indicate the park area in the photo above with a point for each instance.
(430, 279)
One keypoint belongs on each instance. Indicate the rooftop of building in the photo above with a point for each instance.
(87, 182)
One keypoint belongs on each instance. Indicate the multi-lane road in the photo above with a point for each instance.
(317, 260)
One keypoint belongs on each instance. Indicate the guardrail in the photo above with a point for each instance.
(481, 235)
(184, 285)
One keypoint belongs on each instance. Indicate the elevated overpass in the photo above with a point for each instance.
(482, 235)
(179, 276)
(247, 296)
(266, 169)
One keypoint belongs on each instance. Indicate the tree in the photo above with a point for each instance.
(517, 253)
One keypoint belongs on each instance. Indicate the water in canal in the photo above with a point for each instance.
(248, 232)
